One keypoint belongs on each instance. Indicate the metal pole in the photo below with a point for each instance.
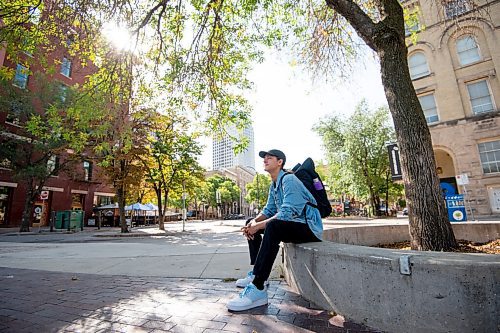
(183, 204)
(468, 203)
(258, 192)
(258, 187)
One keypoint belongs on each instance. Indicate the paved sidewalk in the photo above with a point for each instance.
(40, 301)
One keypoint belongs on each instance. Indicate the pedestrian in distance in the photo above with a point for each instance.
(289, 216)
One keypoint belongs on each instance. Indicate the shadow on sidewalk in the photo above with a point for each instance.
(55, 302)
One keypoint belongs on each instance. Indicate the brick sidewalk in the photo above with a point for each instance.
(40, 301)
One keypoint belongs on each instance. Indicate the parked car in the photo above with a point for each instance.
(405, 211)
(234, 217)
(191, 213)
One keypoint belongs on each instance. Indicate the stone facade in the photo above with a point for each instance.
(241, 176)
(454, 63)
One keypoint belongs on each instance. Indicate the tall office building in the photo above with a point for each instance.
(223, 155)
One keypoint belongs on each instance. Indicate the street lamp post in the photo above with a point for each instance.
(183, 205)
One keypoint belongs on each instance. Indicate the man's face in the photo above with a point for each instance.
(272, 163)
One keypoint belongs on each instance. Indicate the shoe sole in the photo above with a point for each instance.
(243, 286)
(255, 304)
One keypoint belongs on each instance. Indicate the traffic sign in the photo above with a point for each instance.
(44, 195)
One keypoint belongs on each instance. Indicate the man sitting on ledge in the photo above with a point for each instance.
(286, 218)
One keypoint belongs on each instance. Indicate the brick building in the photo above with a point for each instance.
(454, 65)
(80, 189)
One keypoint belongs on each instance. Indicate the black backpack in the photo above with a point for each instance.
(307, 174)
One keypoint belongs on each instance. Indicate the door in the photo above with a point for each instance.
(494, 194)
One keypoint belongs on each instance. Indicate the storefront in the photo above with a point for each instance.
(6, 192)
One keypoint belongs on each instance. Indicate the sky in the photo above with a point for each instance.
(287, 104)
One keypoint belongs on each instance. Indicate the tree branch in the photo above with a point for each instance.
(359, 20)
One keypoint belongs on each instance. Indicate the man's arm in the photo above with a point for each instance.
(260, 217)
(256, 224)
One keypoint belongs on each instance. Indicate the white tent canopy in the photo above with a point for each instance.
(151, 206)
(138, 206)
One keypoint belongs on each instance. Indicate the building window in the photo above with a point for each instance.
(5, 197)
(480, 97)
(101, 200)
(489, 153)
(63, 92)
(77, 201)
(412, 22)
(467, 49)
(21, 77)
(418, 65)
(14, 114)
(66, 67)
(87, 169)
(454, 8)
(428, 104)
(52, 164)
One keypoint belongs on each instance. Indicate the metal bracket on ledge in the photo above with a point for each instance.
(405, 265)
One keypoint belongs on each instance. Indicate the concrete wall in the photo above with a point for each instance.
(444, 292)
(385, 234)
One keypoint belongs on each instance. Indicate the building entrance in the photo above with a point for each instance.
(446, 172)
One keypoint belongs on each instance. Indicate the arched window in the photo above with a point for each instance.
(467, 49)
(418, 65)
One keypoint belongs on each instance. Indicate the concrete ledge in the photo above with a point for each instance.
(444, 292)
(380, 234)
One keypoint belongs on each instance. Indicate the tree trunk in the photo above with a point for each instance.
(429, 225)
(120, 193)
(29, 202)
(161, 211)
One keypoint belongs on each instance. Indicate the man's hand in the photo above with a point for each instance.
(251, 228)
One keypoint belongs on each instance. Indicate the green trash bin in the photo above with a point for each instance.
(76, 220)
(69, 219)
(63, 219)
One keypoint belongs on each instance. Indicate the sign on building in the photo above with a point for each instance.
(394, 162)
(456, 208)
(44, 195)
(462, 179)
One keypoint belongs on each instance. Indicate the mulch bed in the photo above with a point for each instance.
(464, 246)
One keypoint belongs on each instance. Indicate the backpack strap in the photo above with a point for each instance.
(281, 184)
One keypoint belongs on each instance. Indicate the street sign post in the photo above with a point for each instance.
(394, 161)
(463, 179)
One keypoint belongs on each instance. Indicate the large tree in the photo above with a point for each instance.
(171, 164)
(382, 28)
(357, 153)
(222, 193)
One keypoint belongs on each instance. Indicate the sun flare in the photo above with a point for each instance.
(118, 36)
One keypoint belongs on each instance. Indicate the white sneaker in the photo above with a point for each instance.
(242, 283)
(249, 298)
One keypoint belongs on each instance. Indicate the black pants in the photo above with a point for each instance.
(264, 246)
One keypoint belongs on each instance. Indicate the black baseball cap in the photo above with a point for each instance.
(274, 152)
